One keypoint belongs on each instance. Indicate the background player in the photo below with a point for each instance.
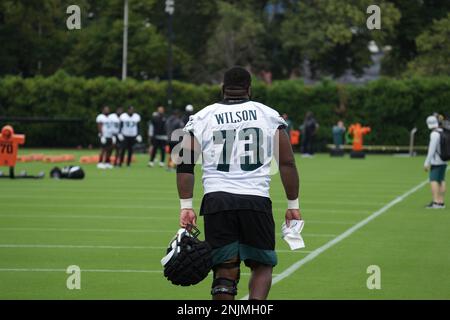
(105, 133)
(129, 134)
(159, 137)
(233, 137)
(116, 127)
(173, 123)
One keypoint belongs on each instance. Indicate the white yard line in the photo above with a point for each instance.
(112, 217)
(105, 217)
(27, 196)
(86, 230)
(69, 246)
(311, 256)
(124, 231)
(71, 205)
(97, 206)
(82, 270)
(92, 270)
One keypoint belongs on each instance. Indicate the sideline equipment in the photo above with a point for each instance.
(71, 172)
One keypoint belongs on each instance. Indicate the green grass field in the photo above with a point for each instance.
(116, 224)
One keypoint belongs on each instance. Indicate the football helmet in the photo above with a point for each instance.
(188, 260)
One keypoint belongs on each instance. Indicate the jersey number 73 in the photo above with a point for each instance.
(254, 139)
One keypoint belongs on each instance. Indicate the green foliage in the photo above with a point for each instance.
(210, 35)
(416, 17)
(236, 40)
(433, 50)
(391, 107)
(332, 35)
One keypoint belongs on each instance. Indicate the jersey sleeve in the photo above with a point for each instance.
(279, 122)
(100, 118)
(190, 126)
(138, 118)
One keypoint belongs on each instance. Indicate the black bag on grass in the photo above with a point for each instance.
(70, 172)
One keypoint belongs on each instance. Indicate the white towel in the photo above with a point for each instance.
(292, 234)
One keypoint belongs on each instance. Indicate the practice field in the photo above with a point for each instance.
(116, 224)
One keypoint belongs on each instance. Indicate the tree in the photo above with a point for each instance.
(331, 36)
(416, 16)
(433, 48)
(33, 36)
(235, 41)
(98, 49)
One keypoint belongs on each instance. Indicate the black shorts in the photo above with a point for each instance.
(108, 144)
(157, 143)
(246, 234)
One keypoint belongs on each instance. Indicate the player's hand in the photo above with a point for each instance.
(187, 216)
(114, 140)
(103, 140)
(427, 168)
(292, 214)
(139, 139)
(120, 136)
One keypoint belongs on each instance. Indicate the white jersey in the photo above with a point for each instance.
(115, 122)
(106, 125)
(130, 124)
(237, 146)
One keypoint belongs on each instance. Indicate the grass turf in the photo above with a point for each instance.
(115, 225)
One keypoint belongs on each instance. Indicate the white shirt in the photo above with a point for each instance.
(434, 149)
(130, 124)
(106, 125)
(237, 146)
(115, 122)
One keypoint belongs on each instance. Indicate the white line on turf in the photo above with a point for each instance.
(314, 254)
(66, 246)
(96, 197)
(91, 270)
(123, 231)
(69, 246)
(71, 205)
(86, 230)
(28, 216)
(82, 270)
(106, 217)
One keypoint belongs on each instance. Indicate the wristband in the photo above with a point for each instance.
(293, 204)
(186, 203)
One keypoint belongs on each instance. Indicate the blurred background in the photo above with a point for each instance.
(305, 55)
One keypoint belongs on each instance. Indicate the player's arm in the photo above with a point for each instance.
(432, 147)
(138, 126)
(185, 179)
(100, 132)
(289, 175)
(99, 128)
(120, 135)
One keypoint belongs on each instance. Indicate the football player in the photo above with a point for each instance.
(116, 127)
(105, 133)
(173, 123)
(237, 138)
(129, 134)
(159, 137)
